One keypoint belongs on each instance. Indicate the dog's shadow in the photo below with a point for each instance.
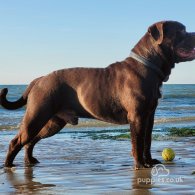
(25, 183)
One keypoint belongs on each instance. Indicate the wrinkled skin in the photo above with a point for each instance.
(125, 92)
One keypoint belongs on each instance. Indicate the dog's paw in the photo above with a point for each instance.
(151, 162)
(31, 161)
(148, 165)
(155, 161)
(8, 165)
(139, 166)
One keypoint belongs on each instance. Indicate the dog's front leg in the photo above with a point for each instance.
(147, 143)
(138, 126)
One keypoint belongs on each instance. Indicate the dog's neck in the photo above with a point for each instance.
(147, 49)
(149, 64)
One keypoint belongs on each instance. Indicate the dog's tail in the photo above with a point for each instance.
(18, 103)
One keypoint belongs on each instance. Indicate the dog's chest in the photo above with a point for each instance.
(114, 111)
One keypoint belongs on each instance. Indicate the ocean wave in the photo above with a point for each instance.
(178, 95)
(9, 127)
(178, 108)
(169, 120)
(95, 124)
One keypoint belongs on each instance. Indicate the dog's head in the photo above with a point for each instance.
(174, 41)
(165, 44)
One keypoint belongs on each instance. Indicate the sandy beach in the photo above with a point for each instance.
(74, 164)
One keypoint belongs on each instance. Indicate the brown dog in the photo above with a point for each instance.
(125, 92)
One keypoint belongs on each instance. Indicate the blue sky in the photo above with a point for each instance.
(39, 36)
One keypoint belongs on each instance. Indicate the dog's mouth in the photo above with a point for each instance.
(185, 50)
(186, 54)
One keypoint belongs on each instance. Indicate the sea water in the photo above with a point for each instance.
(89, 159)
(176, 108)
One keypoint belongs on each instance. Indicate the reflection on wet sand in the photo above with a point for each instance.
(141, 182)
(72, 164)
(142, 179)
(24, 183)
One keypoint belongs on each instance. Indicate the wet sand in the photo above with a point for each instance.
(71, 164)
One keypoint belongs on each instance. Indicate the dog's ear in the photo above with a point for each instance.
(156, 31)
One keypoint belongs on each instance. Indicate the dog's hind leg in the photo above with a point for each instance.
(35, 118)
(53, 126)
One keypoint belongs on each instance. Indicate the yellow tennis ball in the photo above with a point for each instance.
(168, 154)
